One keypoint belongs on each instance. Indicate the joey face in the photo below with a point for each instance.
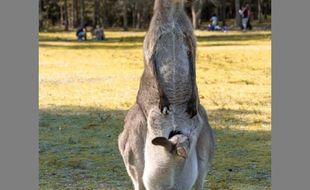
(177, 145)
(170, 131)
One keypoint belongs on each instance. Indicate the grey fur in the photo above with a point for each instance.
(178, 145)
(169, 56)
(167, 101)
(153, 167)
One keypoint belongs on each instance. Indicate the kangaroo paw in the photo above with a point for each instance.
(192, 108)
(164, 106)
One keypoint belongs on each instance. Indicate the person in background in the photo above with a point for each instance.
(99, 33)
(224, 27)
(81, 33)
(249, 26)
(245, 16)
(214, 22)
(241, 17)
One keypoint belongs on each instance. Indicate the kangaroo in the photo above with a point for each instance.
(169, 76)
(166, 152)
(167, 133)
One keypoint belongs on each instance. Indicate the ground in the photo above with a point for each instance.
(86, 89)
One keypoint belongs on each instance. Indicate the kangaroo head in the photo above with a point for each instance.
(169, 3)
(176, 145)
(182, 1)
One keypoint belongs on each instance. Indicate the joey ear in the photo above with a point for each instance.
(162, 141)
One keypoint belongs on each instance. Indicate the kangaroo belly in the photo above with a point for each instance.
(174, 67)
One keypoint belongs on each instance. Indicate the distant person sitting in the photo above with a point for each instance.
(98, 33)
(214, 23)
(81, 33)
(224, 27)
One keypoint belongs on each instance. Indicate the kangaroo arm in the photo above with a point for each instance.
(194, 101)
(163, 100)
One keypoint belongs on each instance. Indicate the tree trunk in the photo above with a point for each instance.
(259, 11)
(105, 20)
(224, 11)
(237, 16)
(66, 16)
(134, 14)
(125, 19)
(144, 20)
(96, 13)
(266, 10)
(198, 15)
(196, 10)
(40, 14)
(61, 15)
(82, 12)
(139, 13)
(194, 16)
(74, 13)
(139, 23)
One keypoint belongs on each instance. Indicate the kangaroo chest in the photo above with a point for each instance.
(173, 65)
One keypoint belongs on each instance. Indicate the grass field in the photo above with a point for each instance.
(86, 89)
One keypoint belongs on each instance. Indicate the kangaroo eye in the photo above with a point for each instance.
(189, 53)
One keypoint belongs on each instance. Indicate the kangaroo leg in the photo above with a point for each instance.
(131, 145)
(205, 149)
(203, 170)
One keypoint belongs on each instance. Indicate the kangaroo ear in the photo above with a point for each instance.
(162, 141)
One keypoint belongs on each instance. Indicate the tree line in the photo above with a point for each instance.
(70, 14)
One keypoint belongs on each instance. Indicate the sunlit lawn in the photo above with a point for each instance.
(86, 89)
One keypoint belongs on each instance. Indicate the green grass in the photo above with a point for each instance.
(86, 89)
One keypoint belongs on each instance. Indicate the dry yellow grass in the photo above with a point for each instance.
(87, 87)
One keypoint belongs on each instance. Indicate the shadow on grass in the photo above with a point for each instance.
(78, 149)
(231, 117)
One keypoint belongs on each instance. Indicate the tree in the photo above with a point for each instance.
(41, 14)
(66, 15)
(223, 5)
(75, 13)
(237, 16)
(196, 10)
(125, 18)
(82, 22)
(96, 13)
(259, 11)
(137, 13)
